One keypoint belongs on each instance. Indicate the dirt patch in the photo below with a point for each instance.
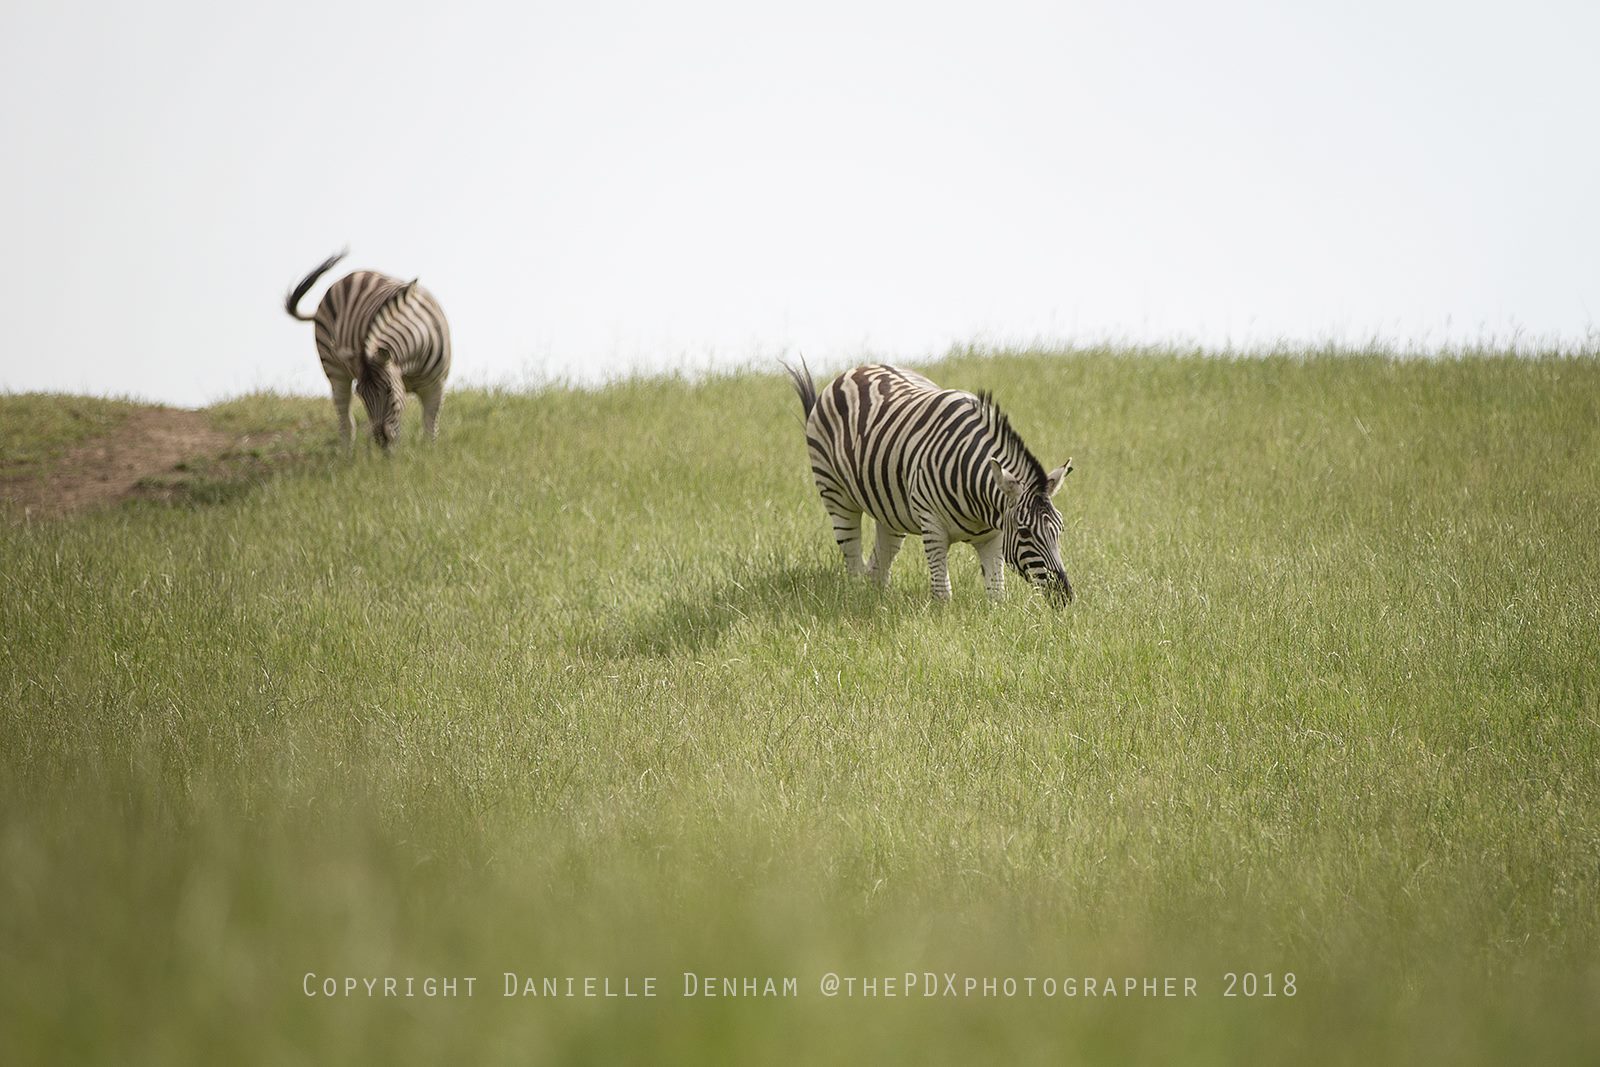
(151, 443)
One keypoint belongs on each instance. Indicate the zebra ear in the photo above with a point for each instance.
(1053, 480)
(1010, 484)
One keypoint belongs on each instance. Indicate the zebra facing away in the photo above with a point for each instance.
(384, 336)
(936, 463)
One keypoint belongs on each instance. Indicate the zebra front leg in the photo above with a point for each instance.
(847, 532)
(341, 410)
(991, 557)
(883, 554)
(937, 545)
(431, 402)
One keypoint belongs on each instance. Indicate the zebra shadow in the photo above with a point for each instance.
(792, 597)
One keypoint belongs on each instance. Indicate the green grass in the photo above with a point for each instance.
(584, 690)
(36, 428)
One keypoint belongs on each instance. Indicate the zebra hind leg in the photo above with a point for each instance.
(883, 554)
(937, 546)
(847, 532)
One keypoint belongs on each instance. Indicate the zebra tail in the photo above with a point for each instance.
(292, 304)
(802, 384)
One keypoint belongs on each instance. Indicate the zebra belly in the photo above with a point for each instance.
(852, 487)
(917, 521)
(336, 369)
(863, 459)
(954, 515)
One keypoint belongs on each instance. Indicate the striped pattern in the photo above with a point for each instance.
(385, 338)
(939, 464)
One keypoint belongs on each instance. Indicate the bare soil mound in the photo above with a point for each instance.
(149, 443)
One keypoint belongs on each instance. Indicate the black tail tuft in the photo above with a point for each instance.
(803, 384)
(292, 303)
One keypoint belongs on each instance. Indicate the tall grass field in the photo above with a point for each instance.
(583, 692)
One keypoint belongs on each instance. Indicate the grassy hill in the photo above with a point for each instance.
(584, 690)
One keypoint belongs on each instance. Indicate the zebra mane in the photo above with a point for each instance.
(1013, 450)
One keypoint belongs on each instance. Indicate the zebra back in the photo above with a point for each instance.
(365, 314)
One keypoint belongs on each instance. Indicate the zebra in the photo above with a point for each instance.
(936, 463)
(385, 336)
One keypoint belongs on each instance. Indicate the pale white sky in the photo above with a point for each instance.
(592, 188)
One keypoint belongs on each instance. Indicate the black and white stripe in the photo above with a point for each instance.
(386, 338)
(934, 463)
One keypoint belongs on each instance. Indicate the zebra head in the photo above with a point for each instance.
(1030, 529)
(383, 391)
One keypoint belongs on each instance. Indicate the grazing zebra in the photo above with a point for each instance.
(385, 336)
(936, 463)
